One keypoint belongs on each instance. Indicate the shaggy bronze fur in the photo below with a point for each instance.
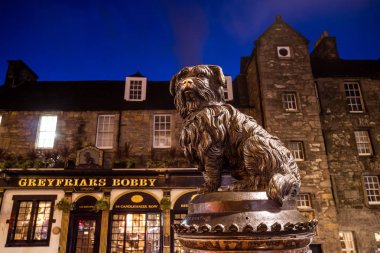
(217, 136)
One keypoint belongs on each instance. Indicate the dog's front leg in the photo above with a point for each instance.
(212, 171)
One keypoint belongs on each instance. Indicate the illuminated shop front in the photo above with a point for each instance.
(93, 211)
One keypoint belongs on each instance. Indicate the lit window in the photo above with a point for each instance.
(46, 131)
(283, 52)
(135, 89)
(347, 242)
(363, 143)
(136, 232)
(105, 129)
(31, 219)
(289, 101)
(162, 131)
(177, 219)
(1, 117)
(227, 87)
(372, 187)
(296, 148)
(377, 239)
(353, 97)
(303, 200)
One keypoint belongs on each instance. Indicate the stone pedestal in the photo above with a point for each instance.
(244, 222)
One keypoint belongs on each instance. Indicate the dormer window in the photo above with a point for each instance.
(227, 87)
(135, 88)
(283, 52)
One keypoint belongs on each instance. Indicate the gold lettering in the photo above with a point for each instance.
(22, 182)
(32, 182)
(102, 182)
(93, 182)
(125, 182)
(41, 182)
(153, 206)
(59, 182)
(115, 182)
(134, 182)
(151, 181)
(76, 181)
(83, 182)
(50, 182)
(68, 182)
(143, 182)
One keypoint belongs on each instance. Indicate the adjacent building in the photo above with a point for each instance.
(95, 166)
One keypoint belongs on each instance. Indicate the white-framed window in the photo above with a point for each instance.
(347, 241)
(105, 131)
(353, 97)
(46, 131)
(135, 88)
(363, 143)
(289, 101)
(303, 200)
(1, 118)
(296, 148)
(372, 187)
(283, 52)
(227, 87)
(162, 131)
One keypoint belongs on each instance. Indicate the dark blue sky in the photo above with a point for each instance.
(108, 40)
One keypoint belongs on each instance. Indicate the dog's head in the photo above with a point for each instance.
(196, 87)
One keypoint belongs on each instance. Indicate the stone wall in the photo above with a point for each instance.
(346, 166)
(276, 76)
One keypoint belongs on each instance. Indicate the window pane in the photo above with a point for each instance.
(162, 131)
(23, 219)
(105, 131)
(347, 242)
(363, 143)
(46, 132)
(289, 101)
(42, 220)
(372, 186)
(296, 148)
(353, 97)
(303, 200)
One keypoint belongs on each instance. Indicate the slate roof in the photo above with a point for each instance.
(346, 68)
(82, 96)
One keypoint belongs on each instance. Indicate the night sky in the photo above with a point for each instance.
(108, 40)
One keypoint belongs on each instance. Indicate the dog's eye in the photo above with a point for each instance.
(201, 75)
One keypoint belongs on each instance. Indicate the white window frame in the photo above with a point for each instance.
(363, 143)
(303, 201)
(297, 150)
(46, 132)
(347, 239)
(105, 130)
(227, 87)
(1, 119)
(129, 93)
(372, 188)
(282, 56)
(354, 97)
(289, 101)
(159, 133)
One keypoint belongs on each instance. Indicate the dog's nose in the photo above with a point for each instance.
(187, 82)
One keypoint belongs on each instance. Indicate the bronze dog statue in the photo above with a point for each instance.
(217, 136)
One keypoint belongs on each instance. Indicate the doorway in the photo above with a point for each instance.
(84, 232)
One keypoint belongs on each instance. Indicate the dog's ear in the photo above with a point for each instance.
(174, 79)
(218, 74)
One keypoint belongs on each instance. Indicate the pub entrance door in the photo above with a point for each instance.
(84, 226)
(84, 233)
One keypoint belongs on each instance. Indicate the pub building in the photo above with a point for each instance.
(95, 166)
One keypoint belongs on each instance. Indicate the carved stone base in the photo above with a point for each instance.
(244, 222)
